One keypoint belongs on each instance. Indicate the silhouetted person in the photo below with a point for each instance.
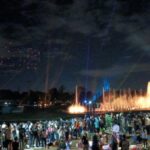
(124, 143)
(15, 144)
(85, 142)
(114, 141)
(95, 143)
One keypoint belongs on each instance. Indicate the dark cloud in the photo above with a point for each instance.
(131, 7)
(117, 70)
(31, 21)
(115, 32)
(136, 31)
(63, 2)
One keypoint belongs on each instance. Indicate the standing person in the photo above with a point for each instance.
(15, 144)
(38, 137)
(147, 124)
(95, 143)
(85, 142)
(108, 121)
(124, 143)
(21, 136)
(8, 136)
(35, 135)
(66, 133)
(1, 139)
(144, 137)
(62, 144)
(61, 132)
(97, 124)
(43, 137)
(114, 141)
(80, 145)
(30, 133)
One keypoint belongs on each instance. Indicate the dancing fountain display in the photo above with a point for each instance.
(126, 102)
(76, 108)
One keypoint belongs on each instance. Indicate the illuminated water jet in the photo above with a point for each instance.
(148, 89)
(126, 102)
(77, 108)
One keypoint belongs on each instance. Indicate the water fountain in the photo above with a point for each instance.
(76, 108)
(148, 89)
(125, 102)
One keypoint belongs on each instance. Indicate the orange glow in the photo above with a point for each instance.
(126, 103)
(148, 90)
(77, 109)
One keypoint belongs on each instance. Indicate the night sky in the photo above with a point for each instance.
(69, 42)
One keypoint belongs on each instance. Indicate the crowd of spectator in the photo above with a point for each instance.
(98, 132)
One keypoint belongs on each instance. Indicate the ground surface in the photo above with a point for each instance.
(73, 147)
(34, 114)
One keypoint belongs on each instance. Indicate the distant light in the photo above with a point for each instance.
(5, 103)
(40, 105)
(35, 104)
(90, 102)
(85, 101)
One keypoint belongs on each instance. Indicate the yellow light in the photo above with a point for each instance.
(77, 109)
